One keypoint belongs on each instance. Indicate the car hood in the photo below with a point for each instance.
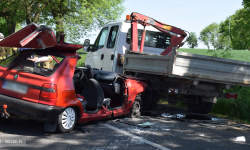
(35, 36)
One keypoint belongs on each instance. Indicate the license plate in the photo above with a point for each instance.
(15, 87)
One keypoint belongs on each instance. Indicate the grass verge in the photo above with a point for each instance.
(80, 62)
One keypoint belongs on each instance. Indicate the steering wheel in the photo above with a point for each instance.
(78, 75)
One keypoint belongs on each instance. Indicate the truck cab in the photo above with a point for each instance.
(115, 38)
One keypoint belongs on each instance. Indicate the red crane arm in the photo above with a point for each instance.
(177, 34)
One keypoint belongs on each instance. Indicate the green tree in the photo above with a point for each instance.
(3, 26)
(239, 29)
(192, 40)
(204, 37)
(11, 12)
(246, 3)
(210, 35)
(34, 10)
(77, 17)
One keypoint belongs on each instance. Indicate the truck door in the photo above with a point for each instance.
(109, 51)
(97, 53)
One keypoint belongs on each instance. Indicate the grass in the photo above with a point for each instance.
(80, 62)
(240, 55)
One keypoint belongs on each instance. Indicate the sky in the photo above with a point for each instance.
(189, 15)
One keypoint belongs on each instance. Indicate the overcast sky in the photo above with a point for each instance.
(189, 15)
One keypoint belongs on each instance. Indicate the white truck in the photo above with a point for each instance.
(149, 50)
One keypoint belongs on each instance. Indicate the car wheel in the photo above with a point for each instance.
(67, 120)
(4, 121)
(136, 109)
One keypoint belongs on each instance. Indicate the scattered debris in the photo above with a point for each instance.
(201, 135)
(180, 116)
(146, 124)
(166, 115)
(117, 120)
(240, 139)
(216, 119)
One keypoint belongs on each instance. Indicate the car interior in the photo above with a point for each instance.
(25, 61)
(99, 88)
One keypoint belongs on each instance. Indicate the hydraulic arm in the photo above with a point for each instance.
(176, 38)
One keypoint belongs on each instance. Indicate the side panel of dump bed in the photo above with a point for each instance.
(212, 68)
(190, 66)
(146, 63)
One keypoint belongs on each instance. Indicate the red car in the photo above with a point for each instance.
(44, 84)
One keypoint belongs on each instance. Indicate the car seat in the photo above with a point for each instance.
(92, 91)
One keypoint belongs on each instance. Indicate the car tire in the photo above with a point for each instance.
(208, 108)
(4, 121)
(67, 120)
(136, 109)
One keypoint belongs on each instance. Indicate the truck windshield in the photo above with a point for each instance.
(152, 39)
(34, 62)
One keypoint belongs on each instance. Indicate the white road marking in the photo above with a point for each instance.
(136, 137)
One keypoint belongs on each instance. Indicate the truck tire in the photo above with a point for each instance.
(136, 109)
(196, 107)
(67, 120)
(146, 98)
(154, 100)
(208, 108)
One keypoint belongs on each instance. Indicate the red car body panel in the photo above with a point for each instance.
(34, 36)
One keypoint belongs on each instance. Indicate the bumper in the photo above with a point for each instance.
(39, 112)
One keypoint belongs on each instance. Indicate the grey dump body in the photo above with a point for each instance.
(190, 66)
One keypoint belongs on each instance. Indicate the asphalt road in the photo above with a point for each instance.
(164, 133)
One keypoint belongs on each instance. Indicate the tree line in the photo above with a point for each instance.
(75, 18)
(216, 35)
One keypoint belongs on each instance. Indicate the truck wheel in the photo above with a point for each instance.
(154, 100)
(197, 108)
(136, 109)
(146, 98)
(67, 120)
(4, 121)
(208, 108)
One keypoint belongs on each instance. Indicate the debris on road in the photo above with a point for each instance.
(146, 124)
(216, 119)
(240, 139)
(179, 116)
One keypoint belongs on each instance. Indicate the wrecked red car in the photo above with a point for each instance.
(44, 84)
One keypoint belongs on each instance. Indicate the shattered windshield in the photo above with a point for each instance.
(35, 62)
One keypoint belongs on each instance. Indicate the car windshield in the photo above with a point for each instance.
(35, 62)
(152, 39)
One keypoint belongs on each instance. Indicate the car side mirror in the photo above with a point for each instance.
(90, 48)
(86, 44)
